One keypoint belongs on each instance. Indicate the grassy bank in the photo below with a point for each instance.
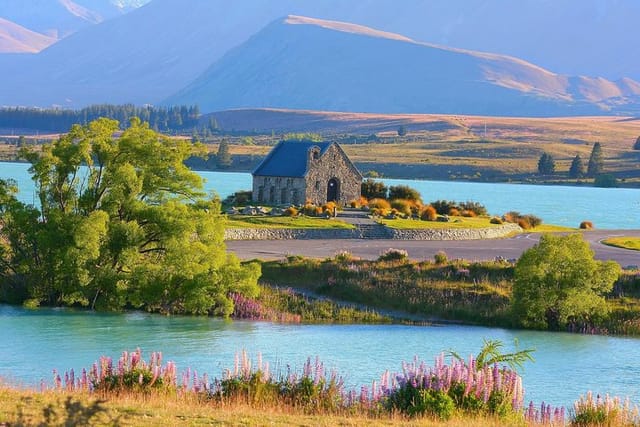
(460, 291)
(632, 243)
(473, 293)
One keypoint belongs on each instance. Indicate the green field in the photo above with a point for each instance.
(247, 221)
(632, 243)
(457, 222)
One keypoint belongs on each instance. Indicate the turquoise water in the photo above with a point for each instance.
(607, 208)
(35, 342)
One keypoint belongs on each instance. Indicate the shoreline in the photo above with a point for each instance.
(414, 177)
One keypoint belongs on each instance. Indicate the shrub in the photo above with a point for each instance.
(392, 254)
(590, 411)
(524, 224)
(309, 209)
(428, 214)
(440, 258)
(586, 225)
(404, 192)
(372, 189)
(443, 207)
(511, 216)
(605, 180)
(533, 220)
(439, 390)
(525, 221)
(496, 220)
(131, 373)
(381, 204)
(475, 207)
(329, 206)
(468, 214)
(290, 211)
(403, 206)
(343, 256)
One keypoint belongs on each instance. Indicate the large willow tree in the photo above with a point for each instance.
(121, 223)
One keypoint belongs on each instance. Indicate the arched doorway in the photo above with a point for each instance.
(333, 190)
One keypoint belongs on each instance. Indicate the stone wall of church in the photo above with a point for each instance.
(273, 190)
(332, 165)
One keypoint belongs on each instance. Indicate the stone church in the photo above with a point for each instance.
(297, 171)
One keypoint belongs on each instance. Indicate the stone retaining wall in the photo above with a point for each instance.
(328, 233)
(455, 233)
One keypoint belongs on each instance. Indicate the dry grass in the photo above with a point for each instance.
(29, 408)
(443, 146)
(459, 147)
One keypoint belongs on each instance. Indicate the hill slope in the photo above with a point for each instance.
(306, 63)
(17, 39)
(154, 51)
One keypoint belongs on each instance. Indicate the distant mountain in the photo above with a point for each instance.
(154, 51)
(15, 38)
(56, 19)
(306, 63)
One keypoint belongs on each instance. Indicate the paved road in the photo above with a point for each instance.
(474, 250)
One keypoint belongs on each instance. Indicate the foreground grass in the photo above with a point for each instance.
(246, 221)
(632, 243)
(22, 407)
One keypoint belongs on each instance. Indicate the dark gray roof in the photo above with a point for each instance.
(289, 158)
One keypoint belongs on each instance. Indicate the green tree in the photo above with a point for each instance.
(372, 189)
(577, 168)
(636, 146)
(596, 161)
(558, 281)
(605, 180)
(122, 223)
(402, 131)
(546, 164)
(223, 157)
(404, 192)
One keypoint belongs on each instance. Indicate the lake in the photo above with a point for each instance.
(607, 208)
(566, 365)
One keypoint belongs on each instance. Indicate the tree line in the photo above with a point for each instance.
(164, 119)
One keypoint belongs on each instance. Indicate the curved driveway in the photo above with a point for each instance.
(473, 250)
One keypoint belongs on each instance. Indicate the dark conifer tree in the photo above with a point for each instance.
(577, 168)
(596, 161)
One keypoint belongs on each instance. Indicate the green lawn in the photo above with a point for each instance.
(457, 222)
(246, 221)
(550, 228)
(632, 243)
